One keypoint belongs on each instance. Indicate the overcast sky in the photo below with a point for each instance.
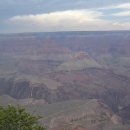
(63, 15)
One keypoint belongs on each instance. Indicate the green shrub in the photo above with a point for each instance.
(16, 118)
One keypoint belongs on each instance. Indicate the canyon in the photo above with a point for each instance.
(51, 70)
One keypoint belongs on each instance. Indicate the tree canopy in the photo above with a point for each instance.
(16, 118)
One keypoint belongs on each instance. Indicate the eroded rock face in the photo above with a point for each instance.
(92, 115)
(87, 84)
(125, 114)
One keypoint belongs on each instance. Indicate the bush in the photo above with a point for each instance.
(16, 118)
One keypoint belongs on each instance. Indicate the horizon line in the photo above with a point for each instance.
(14, 33)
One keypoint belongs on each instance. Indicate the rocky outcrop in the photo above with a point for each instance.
(92, 115)
(87, 84)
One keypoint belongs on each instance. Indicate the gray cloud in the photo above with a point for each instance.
(69, 20)
(12, 8)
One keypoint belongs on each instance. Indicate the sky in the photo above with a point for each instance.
(63, 15)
